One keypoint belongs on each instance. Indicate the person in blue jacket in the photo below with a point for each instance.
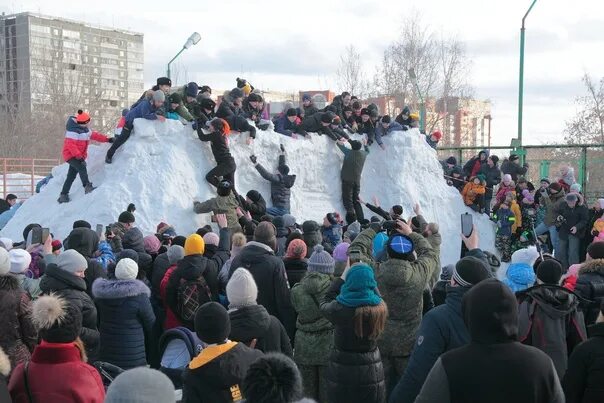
(146, 109)
(8, 214)
(289, 124)
(443, 328)
(385, 127)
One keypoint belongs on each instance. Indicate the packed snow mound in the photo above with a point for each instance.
(162, 170)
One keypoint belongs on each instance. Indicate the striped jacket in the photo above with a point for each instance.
(77, 139)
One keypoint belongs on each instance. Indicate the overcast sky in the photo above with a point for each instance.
(291, 45)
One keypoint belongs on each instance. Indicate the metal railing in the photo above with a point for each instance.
(20, 175)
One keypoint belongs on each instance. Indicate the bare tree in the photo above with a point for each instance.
(587, 126)
(349, 73)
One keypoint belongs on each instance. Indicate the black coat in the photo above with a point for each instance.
(268, 271)
(211, 380)
(355, 372)
(590, 286)
(310, 110)
(125, 317)
(73, 290)
(515, 170)
(256, 208)
(4, 206)
(312, 123)
(492, 175)
(577, 216)
(160, 266)
(296, 269)
(280, 185)
(86, 242)
(219, 145)
(254, 322)
(584, 378)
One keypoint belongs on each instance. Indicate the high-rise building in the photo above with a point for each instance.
(49, 61)
(464, 122)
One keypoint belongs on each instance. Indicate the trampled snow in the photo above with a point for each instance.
(162, 170)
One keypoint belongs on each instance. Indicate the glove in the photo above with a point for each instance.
(131, 208)
(282, 147)
(254, 159)
(263, 126)
(111, 140)
(405, 128)
(194, 125)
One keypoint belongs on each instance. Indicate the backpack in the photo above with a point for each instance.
(190, 295)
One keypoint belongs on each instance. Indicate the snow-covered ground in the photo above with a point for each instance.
(162, 170)
(18, 184)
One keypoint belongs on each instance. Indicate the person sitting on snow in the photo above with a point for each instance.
(434, 138)
(366, 126)
(230, 109)
(75, 151)
(473, 193)
(385, 127)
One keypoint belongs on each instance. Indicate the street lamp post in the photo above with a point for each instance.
(521, 75)
(193, 40)
(422, 106)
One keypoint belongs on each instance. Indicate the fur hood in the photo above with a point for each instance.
(9, 282)
(4, 363)
(112, 289)
(593, 266)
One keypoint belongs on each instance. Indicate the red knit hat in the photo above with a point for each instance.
(437, 134)
(296, 249)
(82, 117)
(56, 245)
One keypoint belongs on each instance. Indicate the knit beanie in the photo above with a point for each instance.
(296, 249)
(175, 98)
(495, 159)
(56, 245)
(380, 242)
(340, 253)
(399, 246)
(211, 238)
(152, 244)
(320, 261)
(164, 81)
(274, 377)
(527, 255)
(56, 320)
(6, 243)
(470, 271)
(359, 288)
(141, 385)
(81, 224)
(191, 89)
(507, 178)
(212, 323)
(126, 269)
(575, 187)
(179, 240)
(596, 250)
(265, 234)
(549, 271)
(5, 262)
(159, 96)
(126, 217)
(254, 195)
(326, 117)
(194, 245)
(72, 261)
(451, 161)
(447, 272)
(241, 290)
(20, 260)
(175, 253)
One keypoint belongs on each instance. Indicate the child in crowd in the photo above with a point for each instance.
(505, 219)
(473, 193)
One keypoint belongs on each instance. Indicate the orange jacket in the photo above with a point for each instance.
(471, 191)
(518, 213)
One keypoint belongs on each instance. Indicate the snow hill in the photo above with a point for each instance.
(162, 170)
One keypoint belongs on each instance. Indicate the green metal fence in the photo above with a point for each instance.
(545, 161)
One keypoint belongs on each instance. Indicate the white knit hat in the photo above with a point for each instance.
(241, 289)
(7, 243)
(126, 269)
(19, 261)
(4, 262)
(527, 255)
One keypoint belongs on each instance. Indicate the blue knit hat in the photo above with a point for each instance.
(359, 289)
(399, 246)
(379, 244)
(320, 261)
(191, 89)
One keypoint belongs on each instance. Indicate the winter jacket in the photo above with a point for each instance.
(310, 110)
(285, 127)
(144, 109)
(219, 145)
(367, 128)
(590, 286)
(584, 378)
(38, 263)
(295, 269)
(160, 266)
(221, 205)
(354, 161)
(355, 372)
(57, 374)
(85, 241)
(553, 203)
(492, 175)
(312, 123)
(7, 215)
(471, 191)
(127, 239)
(503, 191)
(505, 220)
(513, 169)
(256, 208)
(215, 375)
(515, 208)
(30, 285)
(268, 271)
(548, 318)
(125, 317)
(474, 164)
(228, 111)
(77, 139)
(401, 284)
(254, 322)
(312, 236)
(519, 277)
(106, 256)
(314, 335)
(577, 217)
(280, 185)
(73, 290)
(332, 237)
(18, 336)
(392, 127)
(170, 321)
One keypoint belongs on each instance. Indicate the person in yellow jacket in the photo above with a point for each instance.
(473, 193)
(510, 199)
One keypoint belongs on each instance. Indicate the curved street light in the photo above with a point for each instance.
(193, 40)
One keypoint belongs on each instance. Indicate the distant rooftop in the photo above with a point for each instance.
(51, 18)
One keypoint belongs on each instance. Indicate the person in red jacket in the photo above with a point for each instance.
(58, 371)
(75, 151)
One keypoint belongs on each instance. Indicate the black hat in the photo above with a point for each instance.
(81, 224)
(175, 98)
(273, 377)
(355, 144)
(28, 229)
(164, 81)
(326, 117)
(126, 218)
(241, 82)
(399, 246)
(495, 159)
(549, 271)
(514, 157)
(365, 111)
(283, 169)
(191, 89)
(545, 180)
(236, 93)
(253, 97)
(397, 209)
(207, 103)
(212, 323)
(451, 160)
(470, 271)
(224, 188)
(291, 112)
(254, 195)
(310, 226)
(331, 217)
(179, 240)
(596, 250)
(205, 88)
(356, 105)
(386, 119)
(56, 320)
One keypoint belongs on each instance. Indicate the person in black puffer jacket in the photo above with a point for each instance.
(295, 261)
(281, 184)
(126, 316)
(282, 233)
(66, 279)
(590, 282)
(355, 372)
(312, 235)
(251, 323)
(85, 241)
(253, 203)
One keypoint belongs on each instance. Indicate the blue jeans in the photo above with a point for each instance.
(276, 211)
(553, 233)
(568, 251)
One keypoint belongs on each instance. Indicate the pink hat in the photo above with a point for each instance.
(573, 270)
(211, 238)
(152, 244)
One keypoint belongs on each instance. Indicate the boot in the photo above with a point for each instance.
(108, 159)
(88, 188)
(64, 198)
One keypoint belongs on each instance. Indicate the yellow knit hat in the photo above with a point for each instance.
(247, 89)
(194, 245)
(414, 116)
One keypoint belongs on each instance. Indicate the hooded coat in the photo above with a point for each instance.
(590, 286)
(552, 202)
(549, 320)
(254, 322)
(73, 289)
(513, 169)
(584, 377)
(577, 216)
(474, 164)
(296, 269)
(86, 241)
(280, 185)
(126, 316)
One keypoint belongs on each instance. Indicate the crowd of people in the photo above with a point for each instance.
(264, 307)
